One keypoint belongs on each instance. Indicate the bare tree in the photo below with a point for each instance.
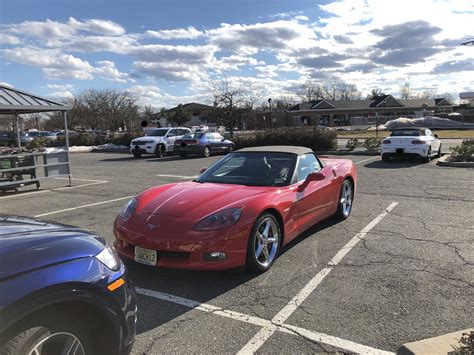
(233, 100)
(105, 109)
(375, 93)
(179, 117)
(329, 90)
(405, 91)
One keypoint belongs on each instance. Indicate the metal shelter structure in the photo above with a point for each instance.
(14, 102)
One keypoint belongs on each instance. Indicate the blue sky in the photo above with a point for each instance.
(169, 52)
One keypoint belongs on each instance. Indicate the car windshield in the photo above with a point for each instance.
(193, 135)
(252, 169)
(156, 133)
(406, 133)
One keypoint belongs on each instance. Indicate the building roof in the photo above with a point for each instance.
(192, 106)
(13, 101)
(278, 149)
(377, 102)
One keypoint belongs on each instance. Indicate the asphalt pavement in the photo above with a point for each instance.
(368, 284)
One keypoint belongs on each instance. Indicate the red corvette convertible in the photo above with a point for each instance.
(240, 211)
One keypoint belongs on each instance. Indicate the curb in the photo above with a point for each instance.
(443, 161)
(440, 345)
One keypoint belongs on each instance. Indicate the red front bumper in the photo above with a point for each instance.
(178, 245)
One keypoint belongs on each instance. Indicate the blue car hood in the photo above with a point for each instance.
(27, 244)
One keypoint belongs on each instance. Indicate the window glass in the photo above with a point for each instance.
(252, 169)
(156, 132)
(406, 133)
(307, 164)
(173, 133)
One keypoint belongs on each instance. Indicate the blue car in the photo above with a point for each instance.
(203, 144)
(62, 291)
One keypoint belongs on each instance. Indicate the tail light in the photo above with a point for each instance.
(387, 141)
(416, 141)
(177, 142)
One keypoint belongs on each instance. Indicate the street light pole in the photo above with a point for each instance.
(270, 105)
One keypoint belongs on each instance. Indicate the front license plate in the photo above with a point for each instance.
(145, 256)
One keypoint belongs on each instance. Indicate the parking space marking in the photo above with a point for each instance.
(205, 307)
(267, 325)
(84, 206)
(264, 334)
(368, 159)
(178, 176)
(97, 182)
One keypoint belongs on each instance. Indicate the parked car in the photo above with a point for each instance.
(415, 142)
(203, 144)
(42, 134)
(240, 211)
(9, 138)
(157, 141)
(69, 134)
(62, 291)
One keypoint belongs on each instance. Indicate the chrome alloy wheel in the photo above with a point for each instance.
(346, 198)
(59, 343)
(266, 242)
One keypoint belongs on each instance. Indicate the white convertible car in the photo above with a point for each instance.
(416, 142)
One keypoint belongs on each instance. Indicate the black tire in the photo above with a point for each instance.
(183, 154)
(230, 149)
(342, 210)
(252, 264)
(26, 336)
(159, 151)
(386, 157)
(137, 155)
(438, 155)
(427, 159)
(206, 153)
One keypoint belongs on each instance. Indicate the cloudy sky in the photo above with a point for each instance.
(167, 51)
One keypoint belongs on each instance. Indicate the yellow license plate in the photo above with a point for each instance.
(145, 256)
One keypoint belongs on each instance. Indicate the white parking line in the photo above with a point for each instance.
(98, 182)
(267, 325)
(84, 206)
(368, 159)
(264, 334)
(178, 176)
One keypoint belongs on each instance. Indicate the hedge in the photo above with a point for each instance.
(318, 139)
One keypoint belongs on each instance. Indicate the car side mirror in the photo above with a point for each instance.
(202, 170)
(223, 139)
(311, 177)
(435, 135)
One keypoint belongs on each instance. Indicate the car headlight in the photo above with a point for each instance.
(109, 258)
(218, 220)
(128, 210)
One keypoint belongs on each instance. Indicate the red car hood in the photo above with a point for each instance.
(197, 200)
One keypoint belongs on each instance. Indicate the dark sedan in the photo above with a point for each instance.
(62, 291)
(203, 144)
(10, 138)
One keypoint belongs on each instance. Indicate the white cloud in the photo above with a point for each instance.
(275, 35)
(61, 95)
(108, 71)
(8, 39)
(234, 62)
(60, 87)
(98, 26)
(179, 33)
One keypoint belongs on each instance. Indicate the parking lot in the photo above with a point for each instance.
(399, 269)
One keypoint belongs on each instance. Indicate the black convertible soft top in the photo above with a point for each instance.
(278, 149)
